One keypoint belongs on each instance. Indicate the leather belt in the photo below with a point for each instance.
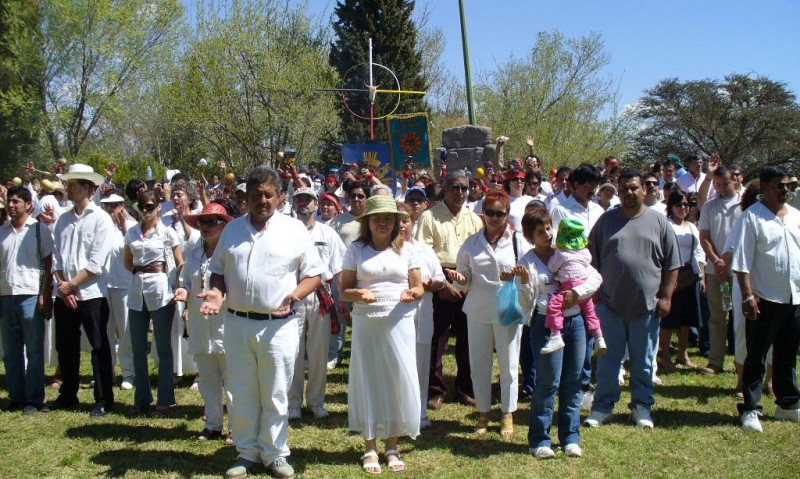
(155, 267)
(259, 316)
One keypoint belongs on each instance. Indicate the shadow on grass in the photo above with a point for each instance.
(131, 432)
(459, 439)
(677, 418)
(121, 462)
(700, 391)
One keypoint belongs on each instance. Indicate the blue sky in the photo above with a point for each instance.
(647, 40)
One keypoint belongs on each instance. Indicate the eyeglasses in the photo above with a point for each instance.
(782, 186)
(149, 207)
(357, 196)
(682, 205)
(457, 188)
(496, 182)
(494, 213)
(415, 199)
(651, 183)
(533, 183)
(210, 223)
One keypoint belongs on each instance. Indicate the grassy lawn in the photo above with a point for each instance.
(697, 434)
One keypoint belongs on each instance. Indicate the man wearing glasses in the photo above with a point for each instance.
(652, 194)
(417, 199)
(445, 227)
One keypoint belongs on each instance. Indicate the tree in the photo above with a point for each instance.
(560, 95)
(751, 121)
(89, 51)
(394, 44)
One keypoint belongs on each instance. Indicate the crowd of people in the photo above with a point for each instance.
(253, 283)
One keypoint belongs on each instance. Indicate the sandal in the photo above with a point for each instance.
(208, 435)
(483, 424)
(507, 426)
(370, 467)
(229, 439)
(687, 363)
(395, 465)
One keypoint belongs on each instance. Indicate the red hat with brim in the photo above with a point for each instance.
(209, 210)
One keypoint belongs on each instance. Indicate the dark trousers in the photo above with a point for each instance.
(776, 326)
(526, 361)
(92, 314)
(448, 316)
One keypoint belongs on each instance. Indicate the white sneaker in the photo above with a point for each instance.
(573, 450)
(127, 384)
(750, 421)
(587, 398)
(596, 418)
(554, 343)
(641, 416)
(599, 347)
(332, 364)
(787, 414)
(319, 412)
(295, 413)
(543, 452)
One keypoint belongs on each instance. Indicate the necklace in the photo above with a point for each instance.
(494, 241)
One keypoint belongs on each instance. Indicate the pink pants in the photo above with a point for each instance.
(554, 320)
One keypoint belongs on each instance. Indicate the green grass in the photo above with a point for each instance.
(697, 434)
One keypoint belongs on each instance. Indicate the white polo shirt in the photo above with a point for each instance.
(570, 208)
(262, 267)
(83, 242)
(330, 249)
(20, 255)
(769, 250)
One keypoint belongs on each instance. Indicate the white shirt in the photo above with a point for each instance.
(20, 257)
(330, 249)
(117, 275)
(688, 241)
(689, 184)
(769, 250)
(570, 208)
(346, 226)
(482, 265)
(517, 210)
(658, 206)
(206, 332)
(152, 289)
(717, 217)
(48, 201)
(83, 242)
(555, 200)
(262, 268)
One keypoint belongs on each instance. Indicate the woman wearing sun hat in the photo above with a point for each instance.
(382, 279)
(205, 340)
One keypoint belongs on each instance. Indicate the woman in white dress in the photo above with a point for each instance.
(383, 281)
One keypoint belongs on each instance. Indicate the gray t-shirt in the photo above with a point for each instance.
(630, 254)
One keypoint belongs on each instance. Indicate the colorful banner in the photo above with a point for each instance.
(375, 155)
(408, 137)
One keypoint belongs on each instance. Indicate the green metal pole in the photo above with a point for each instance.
(467, 74)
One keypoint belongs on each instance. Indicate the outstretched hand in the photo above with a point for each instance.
(212, 302)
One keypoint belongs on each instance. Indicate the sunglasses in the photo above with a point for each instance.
(149, 207)
(457, 188)
(651, 183)
(494, 213)
(210, 223)
(782, 186)
(496, 182)
(517, 180)
(357, 196)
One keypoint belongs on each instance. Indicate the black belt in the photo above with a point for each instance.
(260, 316)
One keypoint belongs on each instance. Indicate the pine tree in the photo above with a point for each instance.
(394, 38)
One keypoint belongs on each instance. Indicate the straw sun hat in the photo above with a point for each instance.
(381, 204)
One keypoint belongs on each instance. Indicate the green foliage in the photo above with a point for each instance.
(561, 96)
(751, 121)
(394, 45)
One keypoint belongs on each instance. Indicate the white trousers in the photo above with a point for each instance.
(261, 356)
(118, 332)
(212, 368)
(483, 338)
(315, 336)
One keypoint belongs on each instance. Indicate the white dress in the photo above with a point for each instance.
(383, 394)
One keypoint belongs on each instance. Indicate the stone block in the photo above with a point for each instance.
(466, 136)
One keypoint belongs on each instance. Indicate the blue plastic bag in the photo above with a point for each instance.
(508, 309)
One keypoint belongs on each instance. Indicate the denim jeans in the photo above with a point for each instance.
(557, 372)
(528, 379)
(640, 335)
(138, 323)
(22, 327)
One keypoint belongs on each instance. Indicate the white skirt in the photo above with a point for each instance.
(383, 391)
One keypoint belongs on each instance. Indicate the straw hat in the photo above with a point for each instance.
(211, 209)
(381, 204)
(78, 171)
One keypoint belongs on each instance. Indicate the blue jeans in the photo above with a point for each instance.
(640, 335)
(23, 327)
(526, 361)
(138, 323)
(557, 372)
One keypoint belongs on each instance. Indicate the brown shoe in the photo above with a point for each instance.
(465, 399)
(435, 402)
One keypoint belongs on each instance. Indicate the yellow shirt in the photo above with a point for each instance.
(446, 233)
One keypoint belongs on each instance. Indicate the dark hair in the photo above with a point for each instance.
(721, 171)
(630, 173)
(534, 218)
(179, 177)
(769, 173)
(356, 185)
(563, 169)
(533, 204)
(474, 182)
(691, 159)
(226, 203)
(434, 191)
(533, 174)
(146, 196)
(260, 175)
(585, 173)
(132, 189)
(20, 192)
(649, 174)
(675, 198)
(750, 195)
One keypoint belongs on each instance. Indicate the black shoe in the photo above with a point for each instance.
(13, 406)
(98, 412)
(63, 403)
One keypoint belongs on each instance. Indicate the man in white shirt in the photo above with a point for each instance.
(26, 249)
(315, 311)
(83, 238)
(716, 221)
(691, 183)
(560, 188)
(766, 261)
(652, 194)
(265, 264)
